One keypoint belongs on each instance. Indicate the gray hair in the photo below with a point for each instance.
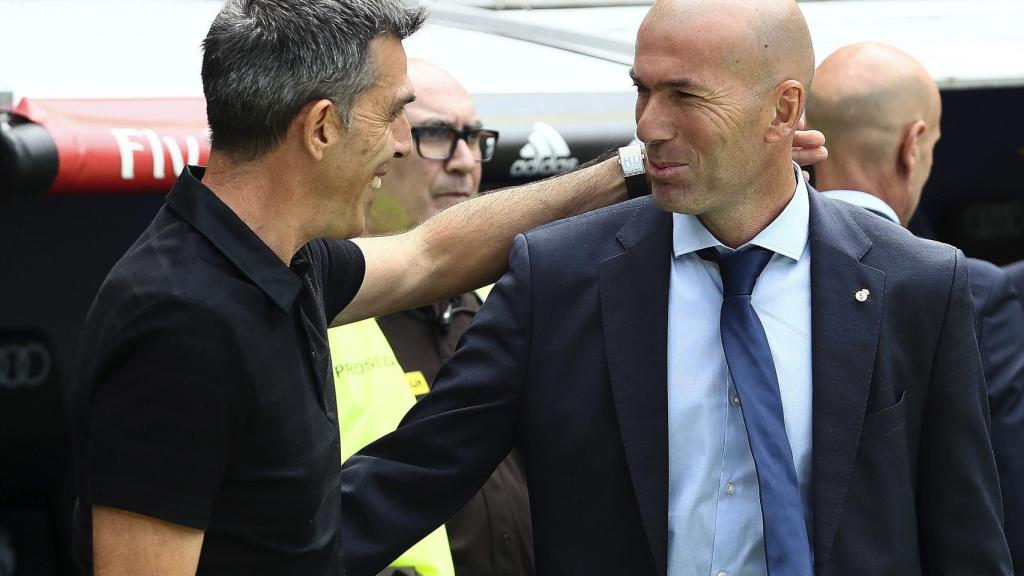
(263, 60)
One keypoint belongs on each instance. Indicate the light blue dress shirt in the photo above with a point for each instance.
(714, 515)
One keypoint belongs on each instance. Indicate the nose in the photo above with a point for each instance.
(463, 160)
(652, 124)
(402, 133)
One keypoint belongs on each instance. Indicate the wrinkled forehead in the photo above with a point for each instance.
(441, 107)
(439, 97)
(695, 47)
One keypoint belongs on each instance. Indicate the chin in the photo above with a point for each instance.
(675, 198)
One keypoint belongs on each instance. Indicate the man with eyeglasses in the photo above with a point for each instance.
(382, 365)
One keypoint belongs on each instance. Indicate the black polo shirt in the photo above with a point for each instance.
(205, 395)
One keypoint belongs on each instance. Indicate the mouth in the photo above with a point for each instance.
(452, 194)
(666, 169)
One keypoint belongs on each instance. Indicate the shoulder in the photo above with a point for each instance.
(1016, 272)
(985, 274)
(593, 235)
(169, 278)
(169, 259)
(592, 223)
(895, 249)
(340, 269)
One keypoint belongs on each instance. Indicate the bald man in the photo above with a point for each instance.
(880, 110)
(734, 376)
(491, 534)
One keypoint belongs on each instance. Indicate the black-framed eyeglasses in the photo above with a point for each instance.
(439, 142)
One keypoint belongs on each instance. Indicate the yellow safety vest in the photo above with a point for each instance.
(373, 395)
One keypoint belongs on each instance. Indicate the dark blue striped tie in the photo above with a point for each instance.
(749, 358)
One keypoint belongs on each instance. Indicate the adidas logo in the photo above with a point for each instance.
(545, 153)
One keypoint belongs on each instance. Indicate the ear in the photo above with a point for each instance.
(789, 100)
(910, 147)
(319, 126)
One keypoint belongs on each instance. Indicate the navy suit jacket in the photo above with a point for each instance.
(567, 361)
(1001, 339)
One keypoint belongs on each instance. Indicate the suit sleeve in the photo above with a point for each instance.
(1001, 339)
(407, 483)
(959, 509)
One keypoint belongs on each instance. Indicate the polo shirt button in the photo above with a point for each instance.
(735, 400)
(723, 573)
(506, 537)
(730, 488)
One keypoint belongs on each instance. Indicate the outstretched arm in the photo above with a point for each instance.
(466, 246)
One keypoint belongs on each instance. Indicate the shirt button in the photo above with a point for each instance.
(506, 537)
(735, 400)
(730, 489)
(722, 573)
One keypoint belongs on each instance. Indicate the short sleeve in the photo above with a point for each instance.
(346, 268)
(164, 407)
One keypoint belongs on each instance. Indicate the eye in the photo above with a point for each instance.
(434, 133)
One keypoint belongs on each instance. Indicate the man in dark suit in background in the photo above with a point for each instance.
(643, 369)
(880, 110)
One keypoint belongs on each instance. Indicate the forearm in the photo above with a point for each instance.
(467, 245)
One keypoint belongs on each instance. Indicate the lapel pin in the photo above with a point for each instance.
(862, 295)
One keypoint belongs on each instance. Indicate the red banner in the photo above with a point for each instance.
(121, 146)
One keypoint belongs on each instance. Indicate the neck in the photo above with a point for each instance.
(762, 203)
(266, 196)
(833, 176)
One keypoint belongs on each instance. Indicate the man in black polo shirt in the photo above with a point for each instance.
(204, 418)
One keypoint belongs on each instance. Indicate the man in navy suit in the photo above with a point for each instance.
(610, 356)
(880, 110)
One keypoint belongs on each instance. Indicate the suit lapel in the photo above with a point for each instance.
(844, 338)
(634, 309)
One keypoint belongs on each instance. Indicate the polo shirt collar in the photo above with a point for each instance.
(200, 207)
(786, 235)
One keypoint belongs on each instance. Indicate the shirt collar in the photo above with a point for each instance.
(865, 201)
(786, 235)
(200, 207)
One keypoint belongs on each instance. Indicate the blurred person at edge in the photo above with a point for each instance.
(881, 110)
(733, 376)
(491, 534)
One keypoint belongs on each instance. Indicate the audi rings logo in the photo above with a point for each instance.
(24, 365)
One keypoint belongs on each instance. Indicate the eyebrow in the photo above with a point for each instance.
(437, 122)
(403, 101)
(676, 83)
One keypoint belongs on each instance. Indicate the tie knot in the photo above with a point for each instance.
(739, 270)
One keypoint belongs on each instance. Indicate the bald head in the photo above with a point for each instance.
(432, 83)
(870, 100)
(766, 41)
